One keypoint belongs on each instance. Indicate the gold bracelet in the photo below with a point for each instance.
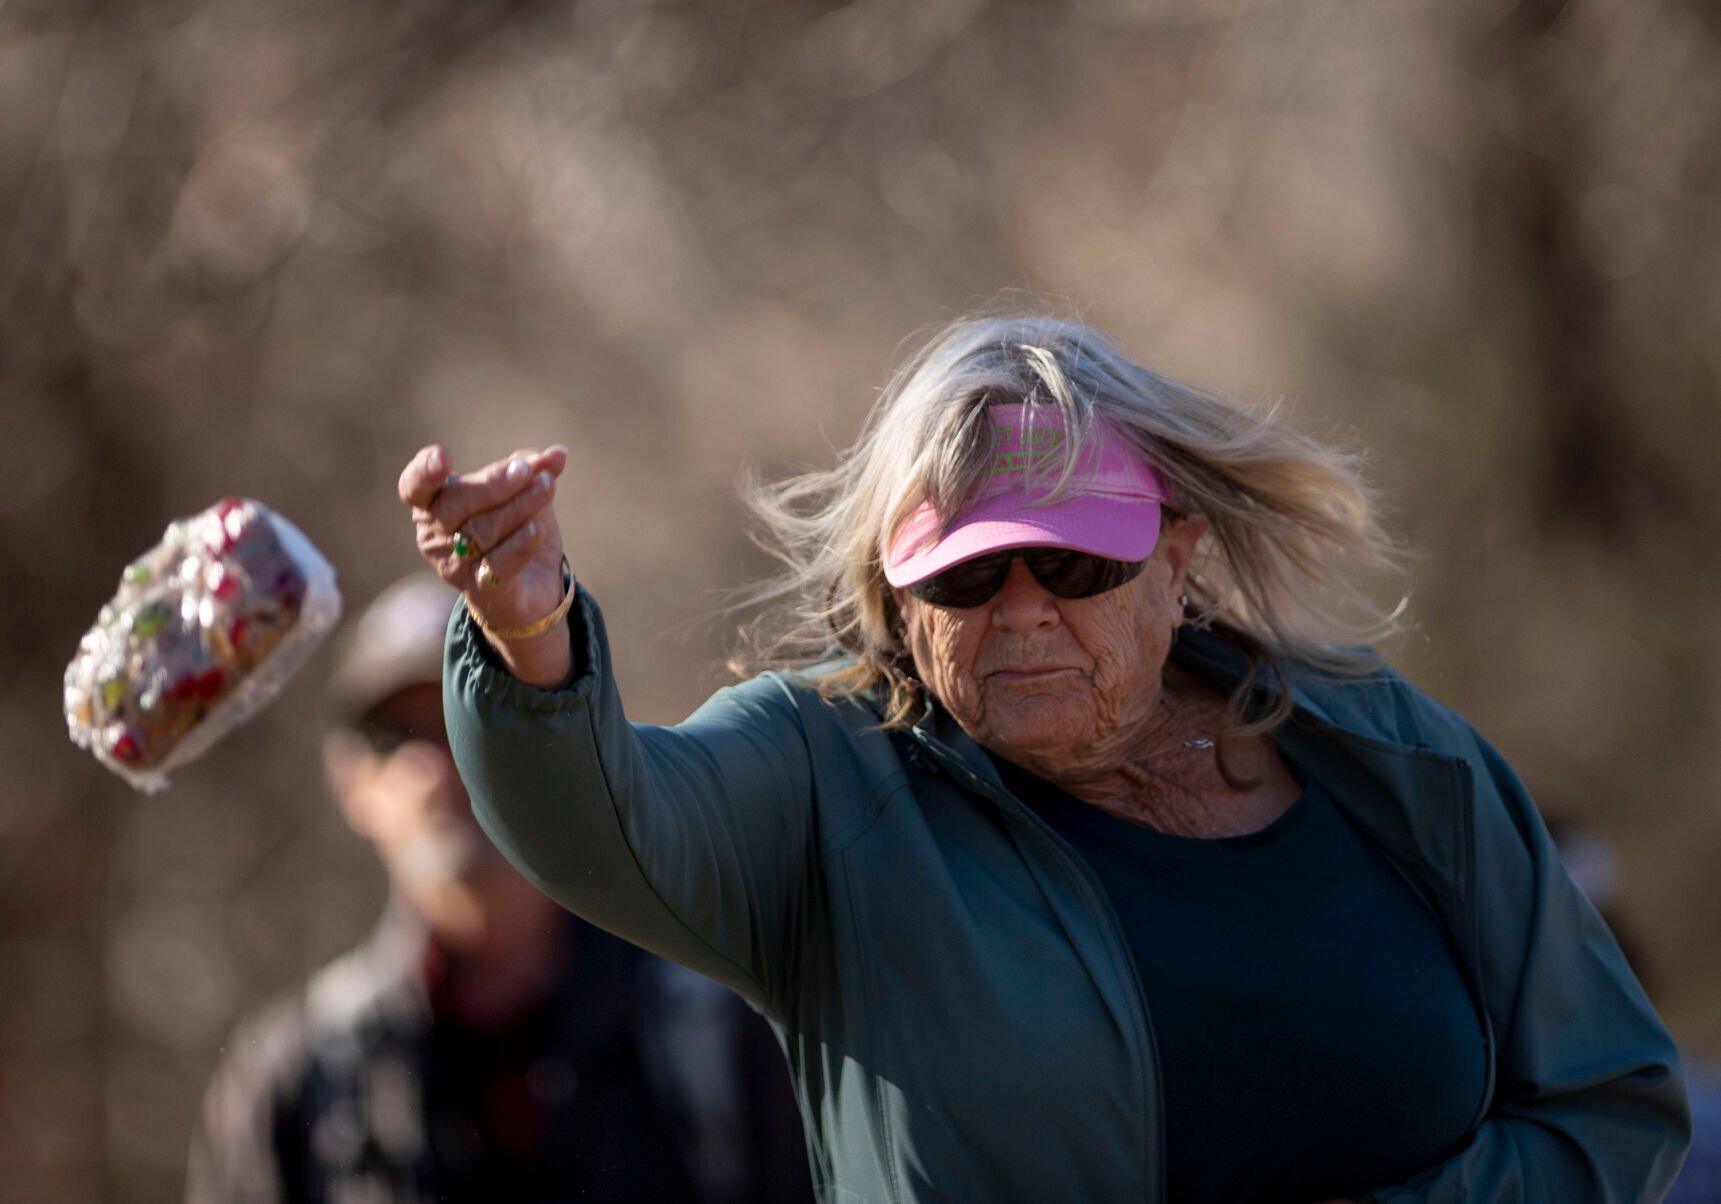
(539, 626)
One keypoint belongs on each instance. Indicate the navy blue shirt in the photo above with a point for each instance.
(1315, 1035)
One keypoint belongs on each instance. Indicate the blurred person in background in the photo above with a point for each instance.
(482, 1044)
(1072, 841)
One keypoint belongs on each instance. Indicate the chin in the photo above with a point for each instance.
(446, 856)
(1040, 736)
(1050, 712)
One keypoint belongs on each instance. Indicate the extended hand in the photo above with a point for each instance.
(492, 534)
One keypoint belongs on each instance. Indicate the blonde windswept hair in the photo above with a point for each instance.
(1285, 570)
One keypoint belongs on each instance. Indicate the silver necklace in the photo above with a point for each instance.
(1193, 741)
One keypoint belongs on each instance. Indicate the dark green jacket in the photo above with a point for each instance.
(961, 1013)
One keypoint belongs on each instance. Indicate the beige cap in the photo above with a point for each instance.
(395, 643)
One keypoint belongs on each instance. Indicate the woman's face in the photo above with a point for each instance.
(1059, 686)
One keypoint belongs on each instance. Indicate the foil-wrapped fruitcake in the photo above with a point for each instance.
(204, 630)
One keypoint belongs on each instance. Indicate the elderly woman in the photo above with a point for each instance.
(1074, 844)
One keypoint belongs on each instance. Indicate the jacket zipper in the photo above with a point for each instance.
(1099, 903)
(1464, 931)
(1473, 916)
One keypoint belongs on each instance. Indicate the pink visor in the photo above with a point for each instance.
(1112, 509)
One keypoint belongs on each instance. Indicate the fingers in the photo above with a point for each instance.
(466, 520)
(429, 472)
(491, 527)
(473, 493)
(460, 497)
(427, 484)
(553, 459)
(508, 559)
(437, 546)
(423, 475)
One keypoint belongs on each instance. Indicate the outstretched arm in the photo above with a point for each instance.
(691, 841)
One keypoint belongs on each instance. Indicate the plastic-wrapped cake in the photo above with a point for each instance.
(205, 629)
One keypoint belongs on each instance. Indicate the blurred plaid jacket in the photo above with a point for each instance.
(633, 1080)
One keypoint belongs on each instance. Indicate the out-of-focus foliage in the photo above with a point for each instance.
(273, 246)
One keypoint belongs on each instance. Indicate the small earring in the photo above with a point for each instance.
(1183, 601)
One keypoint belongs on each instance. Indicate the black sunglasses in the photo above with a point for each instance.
(387, 736)
(1065, 573)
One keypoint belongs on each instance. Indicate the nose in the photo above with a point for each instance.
(430, 766)
(1023, 604)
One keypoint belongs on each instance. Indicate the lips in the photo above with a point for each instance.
(1029, 674)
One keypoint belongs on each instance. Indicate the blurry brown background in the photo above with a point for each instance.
(273, 246)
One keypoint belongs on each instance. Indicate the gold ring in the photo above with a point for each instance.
(486, 576)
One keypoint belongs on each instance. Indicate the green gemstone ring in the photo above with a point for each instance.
(464, 549)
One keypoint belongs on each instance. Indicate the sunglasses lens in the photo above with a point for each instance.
(383, 738)
(1070, 574)
(386, 738)
(967, 584)
(1064, 573)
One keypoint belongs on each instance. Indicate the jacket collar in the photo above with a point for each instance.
(1411, 800)
(1415, 803)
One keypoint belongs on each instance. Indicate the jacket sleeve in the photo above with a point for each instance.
(1588, 1103)
(689, 840)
